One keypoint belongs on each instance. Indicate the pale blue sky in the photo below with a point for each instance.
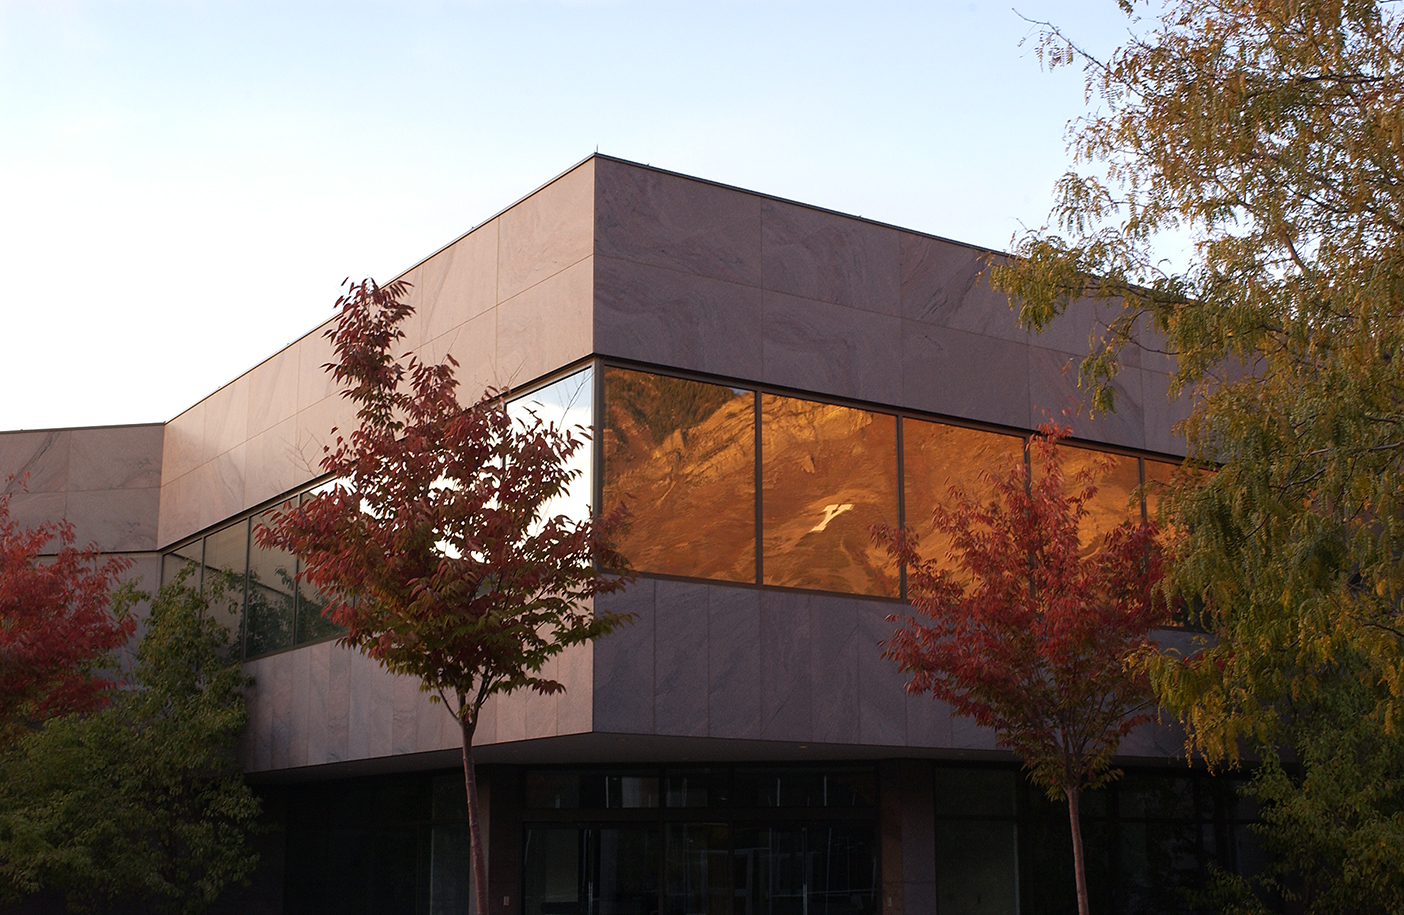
(184, 184)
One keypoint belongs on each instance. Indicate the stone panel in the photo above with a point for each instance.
(35, 462)
(116, 457)
(967, 375)
(273, 391)
(681, 641)
(668, 221)
(624, 666)
(117, 520)
(831, 349)
(183, 443)
(945, 284)
(460, 282)
(1054, 394)
(547, 326)
(813, 254)
(547, 232)
(226, 419)
(882, 704)
(785, 666)
(679, 319)
(1162, 414)
(314, 382)
(734, 662)
(834, 647)
(31, 509)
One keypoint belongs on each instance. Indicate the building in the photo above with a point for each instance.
(766, 380)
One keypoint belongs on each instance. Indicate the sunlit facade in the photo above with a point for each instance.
(763, 382)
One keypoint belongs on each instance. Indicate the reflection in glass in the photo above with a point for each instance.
(226, 561)
(190, 556)
(937, 457)
(566, 404)
(1118, 480)
(312, 625)
(268, 622)
(681, 456)
(592, 871)
(823, 870)
(977, 867)
(975, 792)
(695, 870)
(828, 473)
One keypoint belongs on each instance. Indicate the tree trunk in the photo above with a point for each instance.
(475, 832)
(1079, 866)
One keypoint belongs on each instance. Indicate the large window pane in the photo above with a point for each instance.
(591, 871)
(977, 870)
(226, 562)
(820, 870)
(190, 556)
(681, 456)
(566, 404)
(312, 624)
(268, 622)
(1117, 501)
(695, 870)
(937, 457)
(829, 473)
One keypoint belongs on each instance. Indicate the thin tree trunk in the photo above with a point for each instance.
(475, 832)
(1079, 867)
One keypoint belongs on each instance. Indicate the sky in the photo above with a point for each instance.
(185, 184)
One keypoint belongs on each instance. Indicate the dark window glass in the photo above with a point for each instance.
(823, 870)
(592, 871)
(937, 457)
(268, 621)
(804, 788)
(977, 867)
(681, 456)
(975, 792)
(570, 790)
(696, 868)
(829, 473)
(190, 556)
(698, 788)
(226, 562)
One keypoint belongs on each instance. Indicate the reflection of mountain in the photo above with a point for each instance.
(816, 459)
(680, 455)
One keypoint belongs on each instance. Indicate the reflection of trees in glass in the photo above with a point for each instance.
(829, 473)
(268, 618)
(681, 455)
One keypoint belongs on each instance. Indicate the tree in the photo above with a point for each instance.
(57, 625)
(1263, 141)
(435, 538)
(1028, 636)
(141, 803)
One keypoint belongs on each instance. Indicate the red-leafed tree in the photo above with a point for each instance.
(57, 622)
(435, 540)
(1023, 632)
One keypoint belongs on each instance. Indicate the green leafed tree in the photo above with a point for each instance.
(1237, 200)
(140, 804)
(438, 537)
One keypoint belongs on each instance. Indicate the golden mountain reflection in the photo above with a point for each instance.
(828, 474)
(938, 457)
(1118, 480)
(681, 455)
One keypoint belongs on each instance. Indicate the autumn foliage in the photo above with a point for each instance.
(57, 625)
(1022, 630)
(435, 540)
